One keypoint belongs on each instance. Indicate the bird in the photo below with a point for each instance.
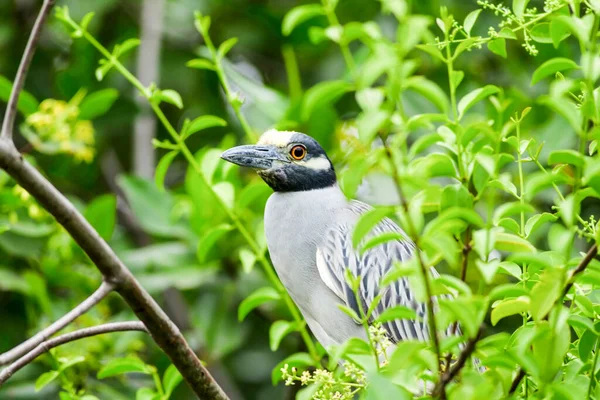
(309, 224)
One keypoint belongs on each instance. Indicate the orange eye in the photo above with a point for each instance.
(298, 152)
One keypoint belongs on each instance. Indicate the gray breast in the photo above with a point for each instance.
(295, 225)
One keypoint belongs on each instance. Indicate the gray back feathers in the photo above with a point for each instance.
(337, 254)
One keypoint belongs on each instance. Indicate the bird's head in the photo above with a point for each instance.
(286, 161)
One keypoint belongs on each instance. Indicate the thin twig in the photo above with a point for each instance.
(25, 347)
(450, 374)
(11, 108)
(587, 259)
(45, 346)
(592, 252)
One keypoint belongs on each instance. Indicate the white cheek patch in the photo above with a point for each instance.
(277, 138)
(316, 163)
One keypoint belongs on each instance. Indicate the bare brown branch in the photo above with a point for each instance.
(162, 329)
(45, 346)
(25, 347)
(8, 123)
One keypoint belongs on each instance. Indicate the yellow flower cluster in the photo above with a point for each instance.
(58, 130)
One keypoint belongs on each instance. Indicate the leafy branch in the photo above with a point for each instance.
(115, 273)
(154, 96)
(203, 25)
(47, 345)
(583, 264)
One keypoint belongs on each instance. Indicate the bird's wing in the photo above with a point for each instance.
(336, 255)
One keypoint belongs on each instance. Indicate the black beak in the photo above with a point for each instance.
(257, 157)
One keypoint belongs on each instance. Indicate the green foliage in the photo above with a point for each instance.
(487, 159)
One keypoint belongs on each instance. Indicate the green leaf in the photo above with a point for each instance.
(558, 33)
(103, 69)
(226, 193)
(298, 15)
(509, 307)
(201, 123)
(147, 394)
(580, 27)
(566, 108)
(257, 298)
(512, 243)
(454, 283)
(545, 293)
(411, 31)
(472, 98)
(382, 388)
(551, 67)
(248, 259)
(324, 93)
(541, 33)
(583, 323)
(225, 47)
(468, 215)
(200, 63)
(371, 122)
(127, 45)
(511, 208)
(297, 360)
(367, 222)
(98, 103)
(487, 269)
(349, 312)
(519, 7)
(162, 167)
(121, 366)
(27, 104)
(67, 362)
(383, 238)
(152, 208)
(498, 46)
(470, 20)
(432, 50)
(101, 213)
(169, 96)
(85, 21)
(534, 222)
(507, 291)
(434, 164)
(279, 330)
(171, 379)
(507, 33)
(569, 207)
(44, 379)
(208, 240)
(568, 156)
(430, 90)
(456, 78)
(397, 312)
(208, 164)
